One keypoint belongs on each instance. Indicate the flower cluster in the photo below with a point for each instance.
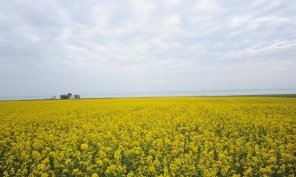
(183, 136)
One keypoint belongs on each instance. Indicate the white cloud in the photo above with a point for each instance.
(254, 23)
(238, 21)
(207, 5)
(266, 47)
(173, 21)
(176, 1)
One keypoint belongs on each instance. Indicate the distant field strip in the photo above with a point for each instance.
(177, 136)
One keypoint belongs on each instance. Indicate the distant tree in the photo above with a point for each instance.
(69, 95)
(64, 96)
(76, 96)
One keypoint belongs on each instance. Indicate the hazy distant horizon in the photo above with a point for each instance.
(159, 94)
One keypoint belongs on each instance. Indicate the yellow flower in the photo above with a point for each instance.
(44, 175)
(99, 162)
(45, 161)
(117, 154)
(84, 146)
(95, 175)
(236, 175)
(36, 155)
(130, 174)
(248, 172)
(174, 152)
(152, 168)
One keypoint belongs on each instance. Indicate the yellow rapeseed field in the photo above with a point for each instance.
(181, 136)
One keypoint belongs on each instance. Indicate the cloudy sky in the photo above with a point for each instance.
(49, 47)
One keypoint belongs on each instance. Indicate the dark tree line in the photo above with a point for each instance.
(69, 96)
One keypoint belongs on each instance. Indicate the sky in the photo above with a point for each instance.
(51, 47)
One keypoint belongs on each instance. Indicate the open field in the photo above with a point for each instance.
(181, 136)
